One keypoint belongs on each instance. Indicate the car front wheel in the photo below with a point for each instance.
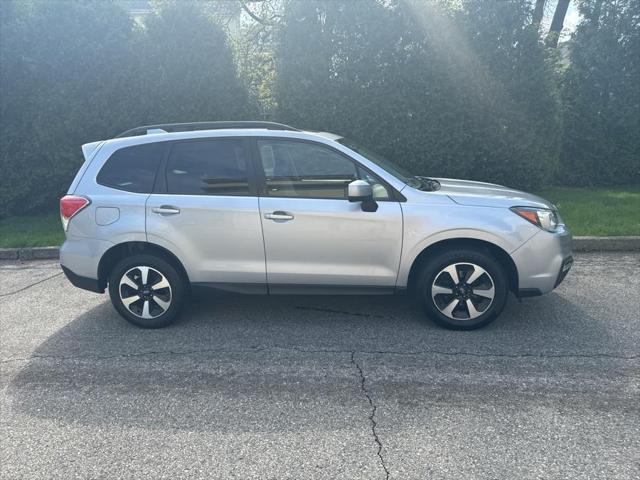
(463, 289)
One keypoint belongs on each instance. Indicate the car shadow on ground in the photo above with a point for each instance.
(230, 350)
(550, 324)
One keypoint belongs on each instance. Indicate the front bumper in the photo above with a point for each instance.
(564, 270)
(543, 262)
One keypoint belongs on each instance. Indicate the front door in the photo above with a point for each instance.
(206, 211)
(315, 237)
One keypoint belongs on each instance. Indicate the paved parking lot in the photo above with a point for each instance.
(321, 387)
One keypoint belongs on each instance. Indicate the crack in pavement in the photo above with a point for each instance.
(30, 285)
(262, 348)
(129, 355)
(372, 418)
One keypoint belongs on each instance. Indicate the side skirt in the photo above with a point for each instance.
(282, 289)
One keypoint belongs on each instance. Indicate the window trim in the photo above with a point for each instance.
(162, 186)
(394, 194)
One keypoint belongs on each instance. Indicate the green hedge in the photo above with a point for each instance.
(601, 94)
(78, 71)
(462, 89)
(448, 93)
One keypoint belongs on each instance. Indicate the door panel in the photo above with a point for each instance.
(331, 242)
(219, 239)
(313, 235)
(207, 212)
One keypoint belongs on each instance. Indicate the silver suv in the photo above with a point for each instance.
(259, 207)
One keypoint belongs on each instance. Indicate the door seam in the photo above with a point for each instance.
(401, 244)
(264, 246)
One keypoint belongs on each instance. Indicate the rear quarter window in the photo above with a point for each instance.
(132, 169)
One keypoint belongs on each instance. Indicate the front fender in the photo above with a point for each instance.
(422, 229)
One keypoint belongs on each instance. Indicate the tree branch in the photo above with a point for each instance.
(253, 15)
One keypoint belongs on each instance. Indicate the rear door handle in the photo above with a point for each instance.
(166, 210)
(278, 215)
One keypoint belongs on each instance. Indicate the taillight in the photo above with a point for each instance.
(69, 206)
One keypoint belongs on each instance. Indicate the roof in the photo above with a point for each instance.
(194, 126)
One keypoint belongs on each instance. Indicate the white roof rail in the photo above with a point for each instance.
(190, 127)
(153, 131)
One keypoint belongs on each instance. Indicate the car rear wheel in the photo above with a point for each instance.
(147, 291)
(463, 289)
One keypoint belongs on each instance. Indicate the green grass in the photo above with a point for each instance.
(598, 211)
(31, 231)
(587, 211)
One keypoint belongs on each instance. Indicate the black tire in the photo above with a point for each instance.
(174, 294)
(462, 292)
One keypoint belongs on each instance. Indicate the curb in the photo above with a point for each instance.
(32, 253)
(607, 244)
(580, 244)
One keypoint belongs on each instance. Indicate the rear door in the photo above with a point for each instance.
(204, 209)
(314, 237)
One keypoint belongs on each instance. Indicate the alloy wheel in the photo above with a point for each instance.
(145, 292)
(463, 291)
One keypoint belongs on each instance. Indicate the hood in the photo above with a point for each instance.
(482, 194)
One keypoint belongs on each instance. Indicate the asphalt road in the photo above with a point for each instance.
(321, 387)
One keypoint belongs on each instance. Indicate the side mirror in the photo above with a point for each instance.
(361, 191)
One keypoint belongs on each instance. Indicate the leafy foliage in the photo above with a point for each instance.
(601, 93)
(465, 93)
(76, 72)
(463, 88)
(187, 69)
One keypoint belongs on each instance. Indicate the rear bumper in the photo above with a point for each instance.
(79, 259)
(85, 283)
(543, 262)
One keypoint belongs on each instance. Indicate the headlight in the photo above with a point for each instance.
(544, 218)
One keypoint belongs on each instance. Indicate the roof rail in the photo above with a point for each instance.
(189, 127)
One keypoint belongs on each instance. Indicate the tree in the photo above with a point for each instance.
(76, 72)
(601, 96)
(186, 69)
(557, 23)
(538, 12)
(252, 28)
(462, 92)
(56, 95)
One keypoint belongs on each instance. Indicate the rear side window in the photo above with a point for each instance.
(132, 169)
(208, 167)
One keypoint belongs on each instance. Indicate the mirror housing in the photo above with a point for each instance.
(361, 191)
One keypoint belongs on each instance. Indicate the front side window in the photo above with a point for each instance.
(208, 167)
(302, 169)
(132, 169)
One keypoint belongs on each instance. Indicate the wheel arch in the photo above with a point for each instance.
(127, 249)
(485, 246)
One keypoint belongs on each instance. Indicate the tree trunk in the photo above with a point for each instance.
(557, 23)
(538, 12)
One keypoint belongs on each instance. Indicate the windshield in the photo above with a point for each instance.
(399, 172)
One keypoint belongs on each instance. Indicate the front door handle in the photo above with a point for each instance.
(166, 210)
(278, 215)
